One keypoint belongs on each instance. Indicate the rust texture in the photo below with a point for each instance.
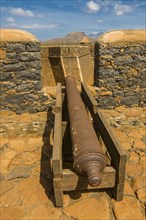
(89, 159)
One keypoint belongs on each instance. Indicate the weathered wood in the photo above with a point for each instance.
(103, 129)
(57, 146)
(113, 176)
(88, 99)
(118, 191)
(112, 144)
(58, 104)
(116, 152)
(72, 181)
(58, 191)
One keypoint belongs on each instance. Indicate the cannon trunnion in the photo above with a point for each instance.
(81, 168)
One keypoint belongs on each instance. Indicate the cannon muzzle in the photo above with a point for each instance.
(89, 159)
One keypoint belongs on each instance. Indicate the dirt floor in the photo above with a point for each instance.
(26, 182)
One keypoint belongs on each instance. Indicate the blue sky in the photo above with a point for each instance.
(48, 19)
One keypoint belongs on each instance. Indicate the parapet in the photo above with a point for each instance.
(120, 68)
(123, 36)
(14, 35)
(20, 61)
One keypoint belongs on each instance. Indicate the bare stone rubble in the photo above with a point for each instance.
(26, 190)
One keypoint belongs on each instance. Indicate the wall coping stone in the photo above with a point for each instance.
(123, 36)
(14, 35)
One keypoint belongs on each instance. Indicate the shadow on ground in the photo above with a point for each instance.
(46, 178)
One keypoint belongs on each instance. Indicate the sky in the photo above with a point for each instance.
(48, 19)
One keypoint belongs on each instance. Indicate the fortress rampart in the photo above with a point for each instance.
(120, 73)
(20, 63)
(29, 71)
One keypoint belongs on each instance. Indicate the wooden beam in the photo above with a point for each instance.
(88, 99)
(114, 148)
(58, 191)
(58, 104)
(57, 146)
(72, 181)
(116, 152)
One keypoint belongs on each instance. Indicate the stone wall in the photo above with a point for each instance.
(20, 75)
(120, 73)
(29, 72)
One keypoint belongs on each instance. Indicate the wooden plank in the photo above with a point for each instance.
(58, 191)
(57, 146)
(103, 129)
(72, 181)
(58, 105)
(117, 154)
(118, 191)
(88, 99)
(111, 142)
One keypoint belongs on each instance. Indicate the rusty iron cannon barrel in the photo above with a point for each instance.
(89, 159)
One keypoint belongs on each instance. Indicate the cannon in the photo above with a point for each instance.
(78, 162)
(89, 159)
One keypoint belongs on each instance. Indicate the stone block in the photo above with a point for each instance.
(7, 76)
(17, 144)
(33, 193)
(29, 74)
(134, 170)
(13, 56)
(2, 54)
(123, 60)
(43, 212)
(34, 144)
(17, 67)
(132, 73)
(18, 212)
(107, 102)
(141, 194)
(128, 208)
(29, 56)
(33, 47)
(31, 97)
(12, 197)
(139, 144)
(19, 172)
(5, 186)
(26, 158)
(134, 157)
(6, 157)
(87, 209)
(130, 93)
(134, 112)
(129, 101)
(128, 189)
(15, 47)
(14, 99)
(35, 64)
(25, 87)
(140, 58)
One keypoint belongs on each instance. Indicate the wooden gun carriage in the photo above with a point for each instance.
(64, 177)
